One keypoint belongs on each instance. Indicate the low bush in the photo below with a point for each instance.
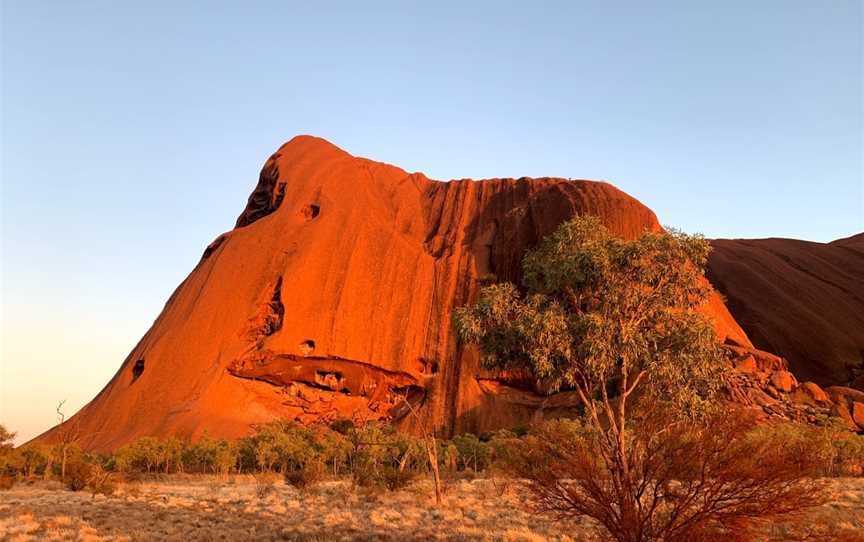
(101, 481)
(305, 476)
(383, 477)
(839, 452)
(685, 481)
(78, 472)
(264, 484)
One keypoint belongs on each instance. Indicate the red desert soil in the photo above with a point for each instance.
(332, 297)
(803, 301)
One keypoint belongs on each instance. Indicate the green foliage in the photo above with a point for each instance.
(383, 457)
(472, 452)
(9, 461)
(139, 455)
(6, 439)
(342, 426)
(211, 455)
(285, 446)
(35, 459)
(617, 321)
(597, 310)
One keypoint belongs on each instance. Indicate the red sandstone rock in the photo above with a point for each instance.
(746, 364)
(801, 300)
(783, 380)
(810, 392)
(858, 413)
(840, 394)
(841, 411)
(765, 361)
(333, 297)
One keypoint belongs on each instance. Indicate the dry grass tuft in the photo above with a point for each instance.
(207, 508)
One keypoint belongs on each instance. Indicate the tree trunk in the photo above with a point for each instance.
(433, 462)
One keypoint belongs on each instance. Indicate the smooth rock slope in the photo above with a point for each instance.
(801, 300)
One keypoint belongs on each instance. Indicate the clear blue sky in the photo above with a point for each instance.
(132, 133)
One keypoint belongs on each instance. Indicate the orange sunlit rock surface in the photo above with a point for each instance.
(333, 298)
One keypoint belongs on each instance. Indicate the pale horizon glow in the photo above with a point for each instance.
(132, 134)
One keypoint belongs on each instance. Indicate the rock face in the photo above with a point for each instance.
(332, 297)
(803, 301)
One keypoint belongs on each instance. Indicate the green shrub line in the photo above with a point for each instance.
(371, 455)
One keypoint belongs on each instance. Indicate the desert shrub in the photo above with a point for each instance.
(280, 446)
(394, 479)
(502, 445)
(840, 452)
(200, 455)
(101, 481)
(150, 455)
(78, 472)
(34, 459)
(472, 452)
(10, 459)
(342, 426)
(375, 445)
(448, 455)
(7, 439)
(383, 477)
(713, 480)
(364, 475)
(849, 454)
(140, 455)
(171, 453)
(209, 455)
(384, 458)
(284, 446)
(333, 449)
(224, 457)
(305, 476)
(264, 484)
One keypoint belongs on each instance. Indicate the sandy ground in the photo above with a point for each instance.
(209, 509)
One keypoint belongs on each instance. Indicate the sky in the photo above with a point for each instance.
(131, 133)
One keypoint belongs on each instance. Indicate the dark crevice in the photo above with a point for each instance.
(426, 366)
(310, 212)
(307, 347)
(273, 322)
(211, 248)
(409, 398)
(330, 380)
(137, 369)
(266, 197)
(349, 377)
(280, 195)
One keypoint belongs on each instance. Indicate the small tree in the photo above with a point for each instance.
(68, 435)
(9, 459)
(430, 444)
(619, 322)
(35, 458)
(7, 440)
